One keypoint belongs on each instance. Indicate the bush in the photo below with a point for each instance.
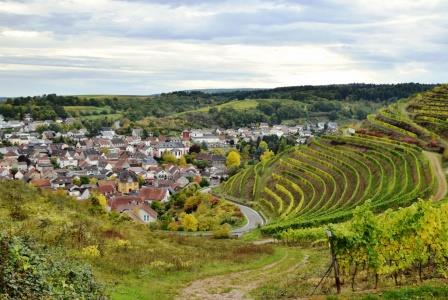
(28, 272)
(223, 232)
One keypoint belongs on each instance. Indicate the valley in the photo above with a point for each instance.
(260, 233)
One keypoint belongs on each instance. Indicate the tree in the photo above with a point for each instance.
(233, 160)
(182, 162)
(204, 182)
(266, 155)
(190, 223)
(169, 157)
(76, 181)
(98, 199)
(195, 148)
(84, 180)
(263, 146)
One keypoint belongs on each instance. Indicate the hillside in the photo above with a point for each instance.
(325, 180)
(420, 120)
(60, 242)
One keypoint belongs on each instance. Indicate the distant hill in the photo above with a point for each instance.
(223, 91)
(172, 112)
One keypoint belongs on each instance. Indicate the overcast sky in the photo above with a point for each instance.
(147, 47)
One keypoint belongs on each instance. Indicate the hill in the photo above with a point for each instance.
(173, 111)
(59, 248)
(421, 119)
(325, 180)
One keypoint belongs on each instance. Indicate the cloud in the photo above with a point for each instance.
(144, 47)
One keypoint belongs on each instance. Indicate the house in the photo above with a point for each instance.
(134, 208)
(107, 189)
(182, 181)
(19, 175)
(41, 183)
(176, 148)
(149, 194)
(144, 213)
(137, 132)
(22, 166)
(60, 183)
(80, 192)
(107, 133)
(127, 182)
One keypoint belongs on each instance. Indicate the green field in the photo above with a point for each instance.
(99, 117)
(239, 105)
(87, 109)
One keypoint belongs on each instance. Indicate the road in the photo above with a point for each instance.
(436, 164)
(254, 219)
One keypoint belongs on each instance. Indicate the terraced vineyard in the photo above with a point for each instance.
(422, 119)
(323, 181)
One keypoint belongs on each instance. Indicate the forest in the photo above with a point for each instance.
(201, 109)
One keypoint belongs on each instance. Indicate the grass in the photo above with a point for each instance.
(88, 109)
(239, 105)
(167, 286)
(99, 117)
(150, 265)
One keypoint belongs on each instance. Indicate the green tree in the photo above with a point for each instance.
(169, 157)
(263, 146)
(182, 162)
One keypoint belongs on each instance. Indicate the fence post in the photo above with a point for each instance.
(335, 262)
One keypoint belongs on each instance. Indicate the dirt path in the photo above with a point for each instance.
(436, 164)
(238, 285)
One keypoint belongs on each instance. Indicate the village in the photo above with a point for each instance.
(131, 172)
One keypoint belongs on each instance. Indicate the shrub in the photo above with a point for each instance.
(28, 272)
(222, 232)
(91, 251)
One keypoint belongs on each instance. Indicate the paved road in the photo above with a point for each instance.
(254, 219)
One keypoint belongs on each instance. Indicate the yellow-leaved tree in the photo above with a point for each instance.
(266, 155)
(189, 222)
(233, 160)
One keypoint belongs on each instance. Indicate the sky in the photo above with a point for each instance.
(138, 47)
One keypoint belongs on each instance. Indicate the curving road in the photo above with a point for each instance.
(254, 219)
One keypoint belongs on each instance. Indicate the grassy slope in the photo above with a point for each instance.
(79, 109)
(238, 105)
(151, 265)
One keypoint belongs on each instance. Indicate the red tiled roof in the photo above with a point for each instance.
(106, 189)
(41, 183)
(152, 193)
(106, 182)
(120, 203)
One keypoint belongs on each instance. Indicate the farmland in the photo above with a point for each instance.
(323, 181)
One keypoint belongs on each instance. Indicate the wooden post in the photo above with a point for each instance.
(335, 262)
